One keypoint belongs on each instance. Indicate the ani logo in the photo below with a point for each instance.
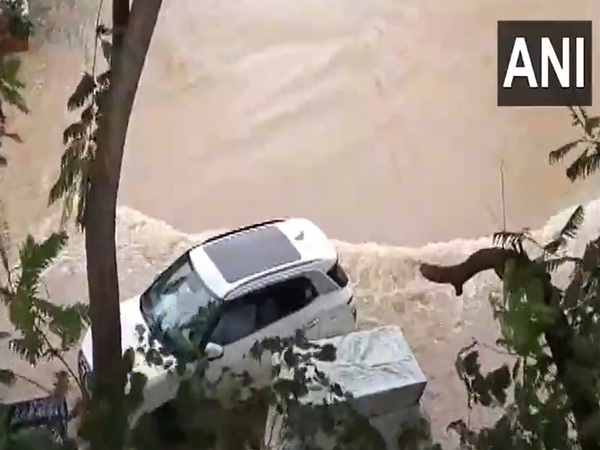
(545, 63)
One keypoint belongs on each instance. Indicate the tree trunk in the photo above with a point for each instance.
(133, 33)
(559, 335)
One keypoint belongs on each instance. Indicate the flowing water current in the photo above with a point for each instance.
(377, 119)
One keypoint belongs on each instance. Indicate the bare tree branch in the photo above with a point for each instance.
(480, 261)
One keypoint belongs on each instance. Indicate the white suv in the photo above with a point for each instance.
(264, 280)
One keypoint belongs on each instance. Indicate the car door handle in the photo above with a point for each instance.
(311, 324)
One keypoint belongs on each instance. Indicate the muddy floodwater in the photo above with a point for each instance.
(377, 119)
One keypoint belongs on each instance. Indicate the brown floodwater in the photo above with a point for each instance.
(377, 119)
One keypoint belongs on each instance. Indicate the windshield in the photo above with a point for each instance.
(177, 307)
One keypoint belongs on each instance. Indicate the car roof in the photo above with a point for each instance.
(241, 256)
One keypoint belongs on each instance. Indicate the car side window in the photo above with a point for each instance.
(282, 299)
(236, 322)
(258, 309)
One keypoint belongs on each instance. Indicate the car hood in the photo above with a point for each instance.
(132, 322)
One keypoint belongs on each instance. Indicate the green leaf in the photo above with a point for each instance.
(11, 68)
(82, 93)
(573, 292)
(518, 325)
(30, 346)
(68, 323)
(106, 49)
(9, 90)
(534, 291)
(74, 132)
(20, 312)
(104, 80)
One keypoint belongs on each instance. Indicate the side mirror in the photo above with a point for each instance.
(213, 351)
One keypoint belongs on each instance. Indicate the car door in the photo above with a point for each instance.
(334, 313)
(334, 308)
(264, 313)
(233, 331)
(283, 309)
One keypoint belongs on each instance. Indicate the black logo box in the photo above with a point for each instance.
(520, 94)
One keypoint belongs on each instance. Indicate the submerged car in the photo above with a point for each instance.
(268, 279)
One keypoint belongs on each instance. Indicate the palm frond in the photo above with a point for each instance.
(551, 265)
(584, 166)
(568, 231)
(574, 222)
(512, 239)
(555, 245)
(591, 124)
(559, 154)
(576, 112)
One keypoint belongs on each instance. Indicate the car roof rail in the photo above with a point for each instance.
(241, 229)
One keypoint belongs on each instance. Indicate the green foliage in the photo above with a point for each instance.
(588, 160)
(231, 408)
(10, 85)
(10, 93)
(43, 329)
(19, 22)
(552, 334)
(34, 316)
(80, 139)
